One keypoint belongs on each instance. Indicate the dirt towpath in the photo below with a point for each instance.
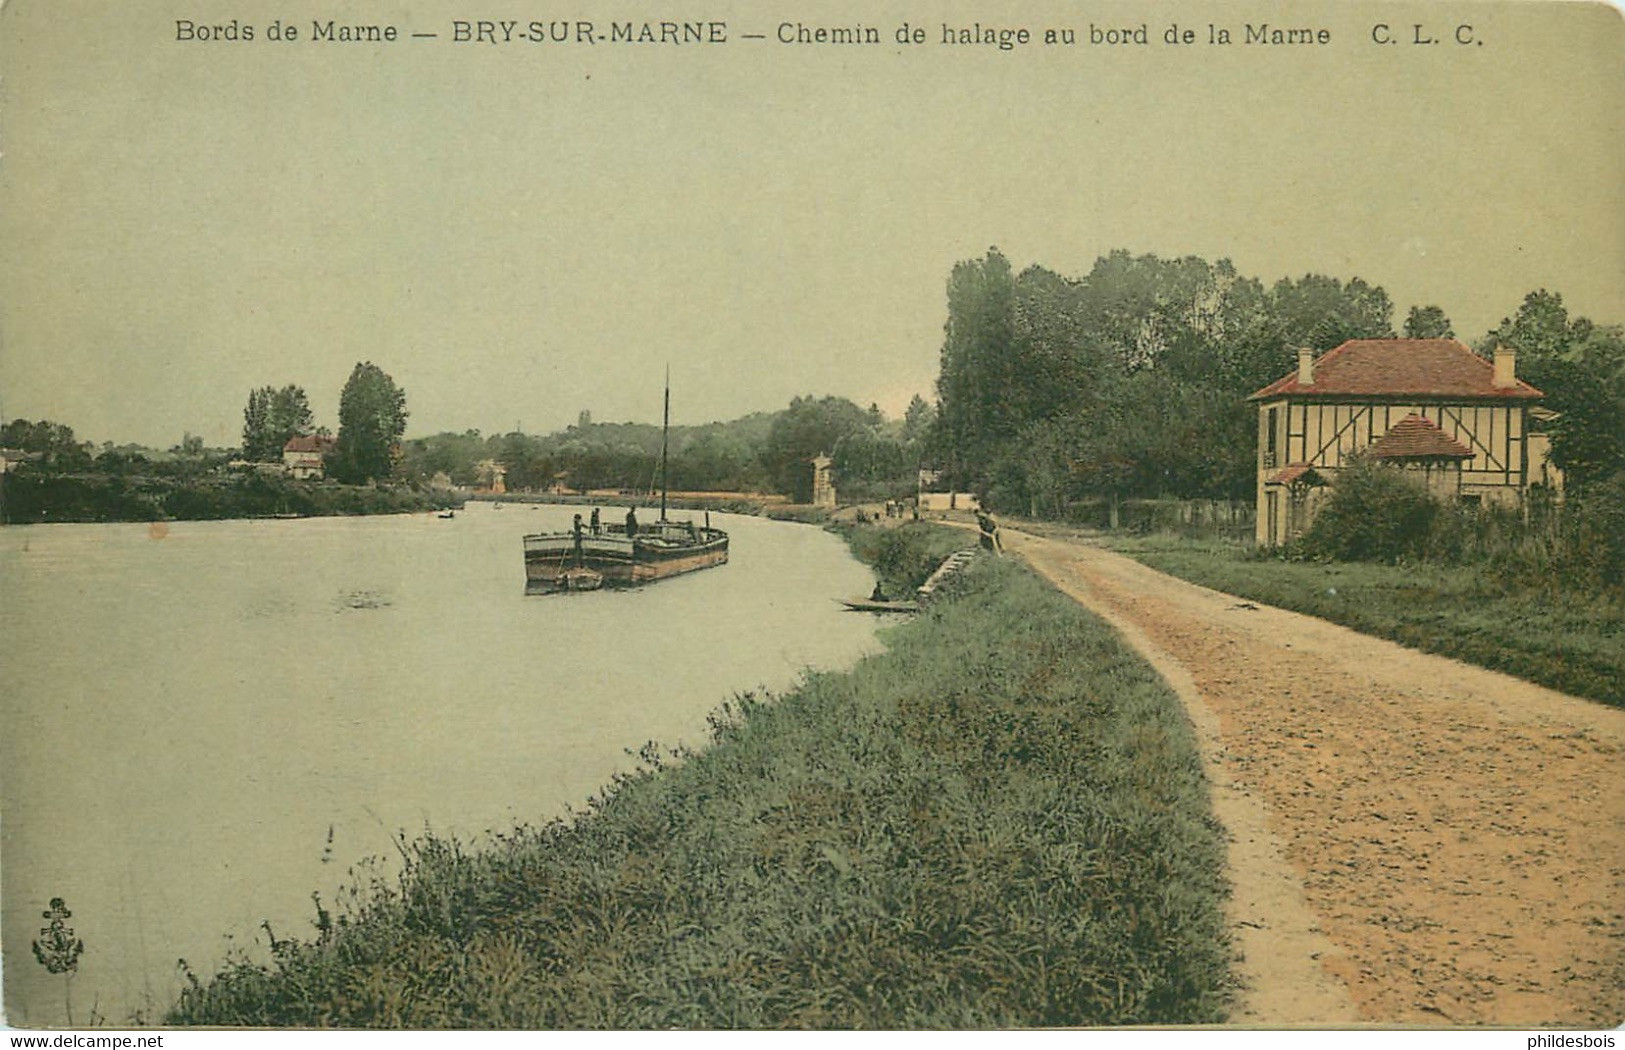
(1413, 841)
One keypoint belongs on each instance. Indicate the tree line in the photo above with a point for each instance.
(874, 457)
(1129, 381)
(1133, 379)
(764, 452)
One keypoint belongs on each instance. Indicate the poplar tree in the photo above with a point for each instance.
(271, 418)
(372, 418)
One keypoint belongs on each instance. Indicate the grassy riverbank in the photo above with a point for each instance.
(37, 498)
(1571, 642)
(1001, 821)
(903, 556)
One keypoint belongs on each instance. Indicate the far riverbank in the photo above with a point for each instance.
(760, 505)
(28, 498)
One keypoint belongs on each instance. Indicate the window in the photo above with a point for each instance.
(1270, 458)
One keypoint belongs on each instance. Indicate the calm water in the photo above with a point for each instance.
(202, 727)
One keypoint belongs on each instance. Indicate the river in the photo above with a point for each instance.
(205, 722)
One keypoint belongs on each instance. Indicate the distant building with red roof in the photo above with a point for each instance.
(1431, 406)
(305, 457)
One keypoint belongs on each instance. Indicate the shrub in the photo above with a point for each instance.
(1593, 535)
(1375, 513)
(1578, 546)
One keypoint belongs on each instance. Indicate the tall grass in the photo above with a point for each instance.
(1379, 514)
(1000, 822)
(906, 555)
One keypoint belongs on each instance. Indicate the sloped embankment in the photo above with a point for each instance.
(1001, 821)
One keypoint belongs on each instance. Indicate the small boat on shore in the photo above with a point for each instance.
(875, 606)
(623, 555)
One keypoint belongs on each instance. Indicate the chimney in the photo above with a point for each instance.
(1306, 367)
(1506, 369)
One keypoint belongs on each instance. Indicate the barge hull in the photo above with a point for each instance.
(621, 561)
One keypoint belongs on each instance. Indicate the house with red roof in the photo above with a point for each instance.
(1433, 407)
(305, 457)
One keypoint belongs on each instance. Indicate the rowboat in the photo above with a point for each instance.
(870, 605)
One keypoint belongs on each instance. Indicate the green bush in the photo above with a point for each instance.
(1375, 513)
(29, 496)
(1594, 534)
(805, 513)
(42, 497)
(1577, 546)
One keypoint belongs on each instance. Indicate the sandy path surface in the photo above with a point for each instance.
(1413, 841)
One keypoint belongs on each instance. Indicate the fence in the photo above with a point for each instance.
(1207, 516)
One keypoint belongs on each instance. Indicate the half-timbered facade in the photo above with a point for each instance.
(1432, 406)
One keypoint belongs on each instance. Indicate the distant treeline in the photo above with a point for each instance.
(764, 452)
(63, 479)
(1133, 379)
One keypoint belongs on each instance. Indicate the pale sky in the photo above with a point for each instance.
(519, 232)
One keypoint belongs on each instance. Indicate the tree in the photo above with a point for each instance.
(1321, 312)
(54, 442)
(1541, 328)
(1428, 322)
(44, 436)
(976, 365)
(714, 460)
(1129, 381)
(454, 455)
(271, 418)
(918, 419)
(809, 427)
(372, 418)
(289, 416)
(256, 424)
(1580, 367)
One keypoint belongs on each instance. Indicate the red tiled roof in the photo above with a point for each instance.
(309, 444)
(1297, 472)
(1417, 438)
(1399, 368)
